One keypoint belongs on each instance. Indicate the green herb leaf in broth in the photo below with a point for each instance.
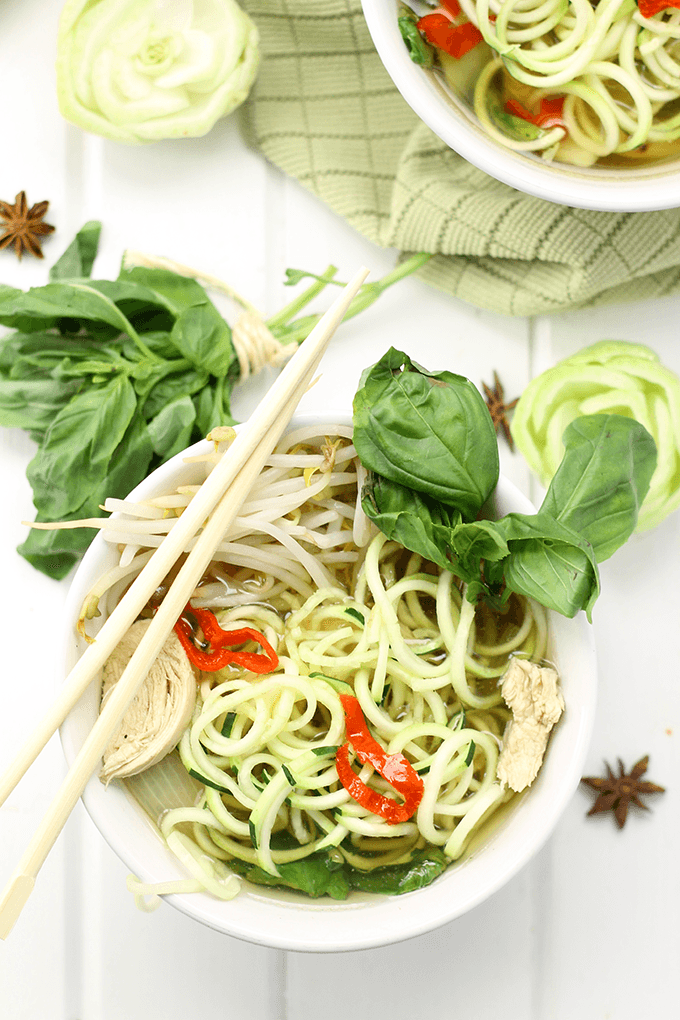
(515, 127)
(419, 50)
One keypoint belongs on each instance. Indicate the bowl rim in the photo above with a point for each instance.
(287, 921)
(604, 190)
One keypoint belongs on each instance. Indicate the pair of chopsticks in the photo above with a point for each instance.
(212, 509)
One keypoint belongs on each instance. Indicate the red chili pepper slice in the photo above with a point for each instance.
(551, 111)
(456, 40)
(549, 115)
(648, 8)
(221, 643)
(452, 6)
(395, 768)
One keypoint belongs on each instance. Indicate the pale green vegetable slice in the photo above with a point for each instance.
(142, 70)
(612, 376)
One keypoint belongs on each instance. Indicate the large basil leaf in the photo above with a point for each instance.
(42, 307)
(417, 522)
(430, 431)
(56, 552)
(602, 480)
(78, 446)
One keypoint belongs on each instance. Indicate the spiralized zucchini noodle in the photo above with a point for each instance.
(617, 72)
(341, 605)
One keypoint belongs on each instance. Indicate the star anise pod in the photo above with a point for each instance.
(24, 226)
(498, 409)
(616, 793)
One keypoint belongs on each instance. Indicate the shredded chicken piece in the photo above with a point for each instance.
(533, 694)
(160, 712)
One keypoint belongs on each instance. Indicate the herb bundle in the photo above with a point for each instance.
(113, 377)
(429, 443)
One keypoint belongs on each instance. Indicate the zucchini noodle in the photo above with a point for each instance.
(259, 752)
(617, 72)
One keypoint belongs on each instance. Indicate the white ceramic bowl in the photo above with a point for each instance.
(627, 190)
(283, 919)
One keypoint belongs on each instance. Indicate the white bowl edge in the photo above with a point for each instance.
(636, 190)
(283, 920)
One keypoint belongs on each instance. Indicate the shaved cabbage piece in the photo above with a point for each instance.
(612, 376)
(141, 70)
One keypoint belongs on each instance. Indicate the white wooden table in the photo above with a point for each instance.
(590, 929)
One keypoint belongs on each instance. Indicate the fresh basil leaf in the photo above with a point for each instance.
(82, 302)
(158, 341)
(212, 406)
(550, 563)
(78, 446)
(32, 403)
(178, 292)
(202, 335)
(132, 294)
(316, 875)
(78, 259)
(602, 480)
(420, 524)
(98, 369)
(177, 384)
(170, 430)
(19, 312)
(420, 871)
(419, 50)
(430, 431)
(56, 552)
(474, 544)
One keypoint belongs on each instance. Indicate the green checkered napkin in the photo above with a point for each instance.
(325, 110)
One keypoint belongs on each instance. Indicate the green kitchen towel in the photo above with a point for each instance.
(325, 111)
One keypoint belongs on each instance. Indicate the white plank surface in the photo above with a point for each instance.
(590, 928)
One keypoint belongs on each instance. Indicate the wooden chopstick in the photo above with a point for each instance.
(219, 499)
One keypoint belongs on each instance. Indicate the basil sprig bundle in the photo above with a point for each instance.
(429, 444)
(113, 377)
